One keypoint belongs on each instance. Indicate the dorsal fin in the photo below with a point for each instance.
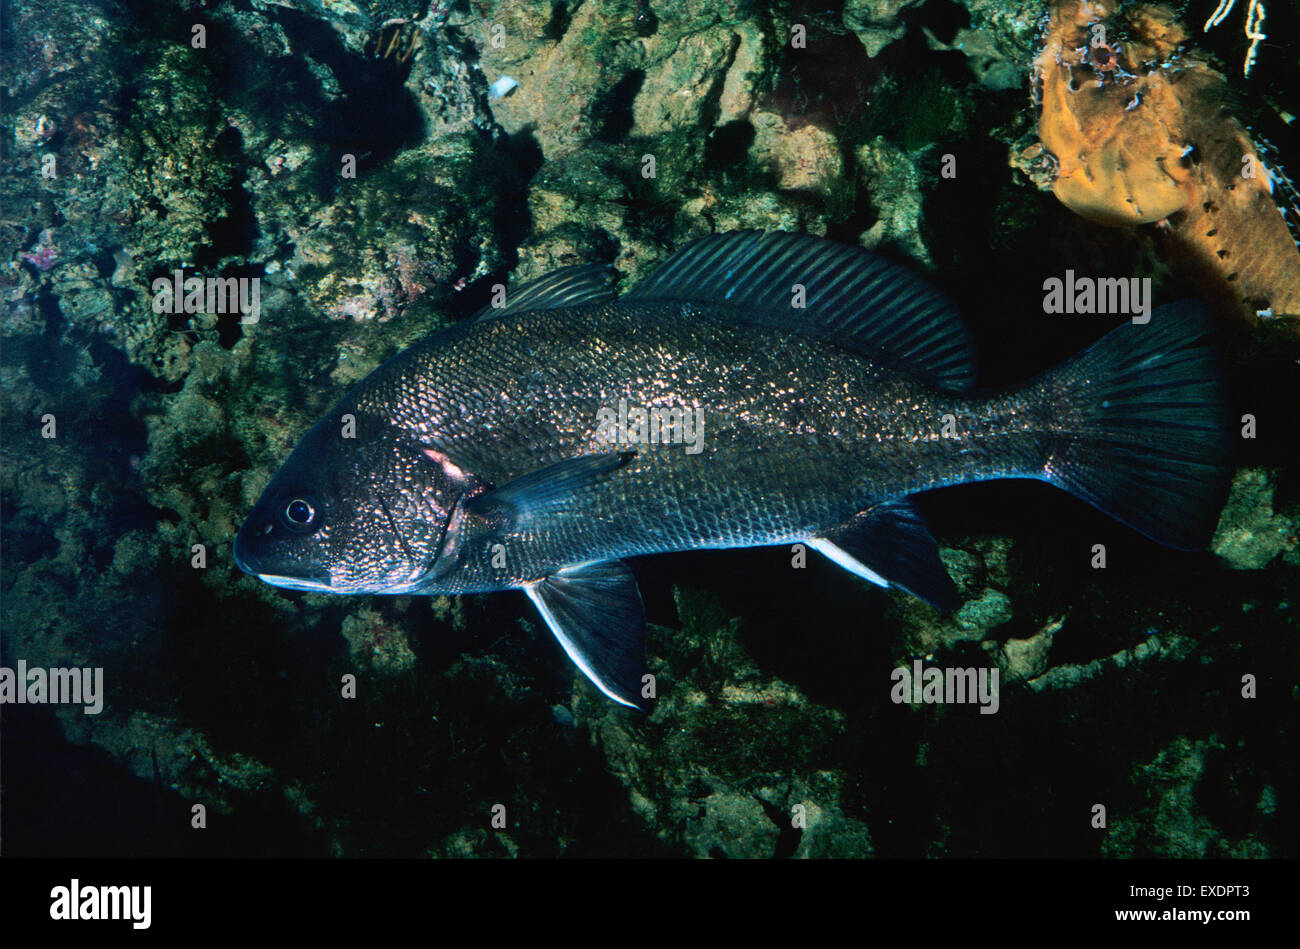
(569, 286)
(852, 297)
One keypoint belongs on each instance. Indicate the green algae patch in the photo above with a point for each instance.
(178, 158)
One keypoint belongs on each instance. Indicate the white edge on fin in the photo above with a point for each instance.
(294, 583)
(829, 550)
(568, 644)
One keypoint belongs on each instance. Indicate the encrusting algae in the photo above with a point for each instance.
(1134, 129)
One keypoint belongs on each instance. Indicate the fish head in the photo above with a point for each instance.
(361, 512)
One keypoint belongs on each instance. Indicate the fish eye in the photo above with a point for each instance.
(299, 513)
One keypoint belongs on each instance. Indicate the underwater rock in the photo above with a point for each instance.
(18, 301)
(731, 825)
(799, 158)
(1172, 822)
(999, 42)
(375, 643)
(763, 210)
(88, 302)
(980, 576)
(892, 184)
(678, 90)
(587, 72)
(452, 91)
(1027, 658)
(1250, 532)
(162, 751)
(413, 229)
(1172, 648)
(175, 184)
(578, 202)
(876, 22)
(50, 45)
(564, 66)
(825, 829)
(106, 175)
(749, 57)
(1131, 132)
(580, 205)
(728, 753)
(358, 22)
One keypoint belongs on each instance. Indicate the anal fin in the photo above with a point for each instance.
(890, 545)
(596, 613)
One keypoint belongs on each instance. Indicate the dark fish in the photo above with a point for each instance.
(537, 445)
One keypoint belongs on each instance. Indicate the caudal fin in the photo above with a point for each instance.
(1145, 431)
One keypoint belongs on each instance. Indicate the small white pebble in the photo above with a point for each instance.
(503, 87)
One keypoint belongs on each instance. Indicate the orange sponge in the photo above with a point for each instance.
(1134, 130)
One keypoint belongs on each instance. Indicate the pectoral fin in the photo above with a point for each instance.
(890, 545)
(549, 488)
(595, 611)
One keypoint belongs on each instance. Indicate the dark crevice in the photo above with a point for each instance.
(647, 24)
(728, 146)
(373, 116)
(558, 24)
(234, 234)
(612, 112)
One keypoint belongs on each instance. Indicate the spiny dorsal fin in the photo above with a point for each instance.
(852, 297)
(570, 286)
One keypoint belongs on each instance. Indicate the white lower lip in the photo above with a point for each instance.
(295, 583)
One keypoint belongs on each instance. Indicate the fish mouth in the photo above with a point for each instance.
(296, 583)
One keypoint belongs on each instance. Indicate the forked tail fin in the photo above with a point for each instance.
(1145, 431)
